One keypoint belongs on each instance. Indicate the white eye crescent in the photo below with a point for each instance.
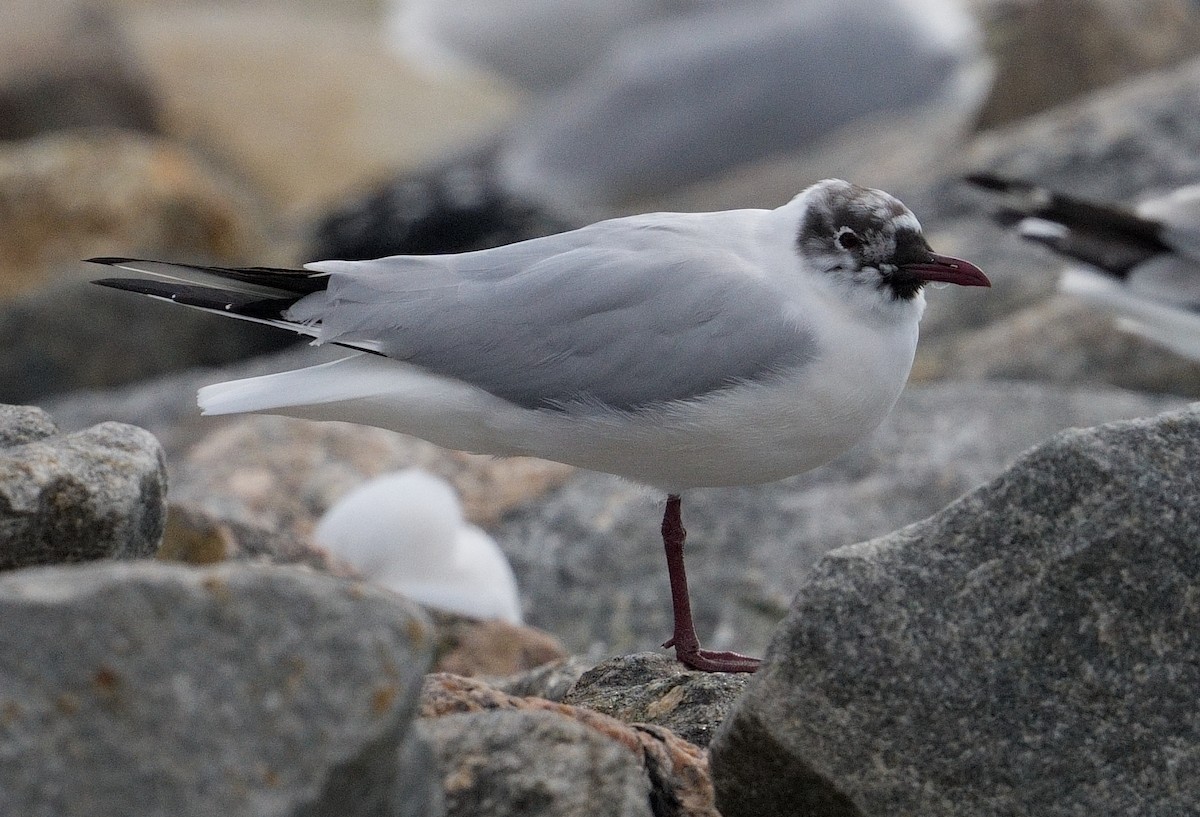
(847, 239)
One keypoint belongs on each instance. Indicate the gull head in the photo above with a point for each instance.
(867, 240)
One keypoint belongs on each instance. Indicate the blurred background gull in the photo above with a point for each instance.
(635, 99)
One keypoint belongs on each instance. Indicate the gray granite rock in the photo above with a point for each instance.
(534, 764)
(93, 494)
(154, 689)
(550, 681)
(1030, 650)
(24, 424)
(589, 559)
(652, 688)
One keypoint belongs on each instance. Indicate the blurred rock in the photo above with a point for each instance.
(24, 424)
(284, 473)
(550, 681)
(196, 537)
(672, 773)
(66, 65)
(94, 494)
(156, 689)
(1051, 51)
(448, 208)
(534, 764)
(589, 556)
(471, 647)
(1059, 341)
(70, 196)
(1027, 650)
(51, 349)
(309, 104)
(652, 688)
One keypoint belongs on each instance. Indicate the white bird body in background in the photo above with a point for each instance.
(405, 531)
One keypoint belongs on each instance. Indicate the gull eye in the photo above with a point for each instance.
(847, 239)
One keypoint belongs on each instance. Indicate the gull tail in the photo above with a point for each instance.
(1110, 238)
(258, 294)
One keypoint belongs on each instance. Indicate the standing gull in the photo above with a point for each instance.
(680, 350)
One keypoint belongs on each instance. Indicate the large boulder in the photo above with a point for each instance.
(153, 689)
(1030, 650)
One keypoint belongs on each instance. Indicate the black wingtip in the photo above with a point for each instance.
(109, 260)
(1000, 184)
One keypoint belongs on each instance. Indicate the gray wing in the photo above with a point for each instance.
(571, 319)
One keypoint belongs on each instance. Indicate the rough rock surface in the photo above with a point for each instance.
(93, 494)
(652, 688)
(589, 557)
(534, 764)
(471, 647)
(676, 771)
(155, 689)
(1031, 649)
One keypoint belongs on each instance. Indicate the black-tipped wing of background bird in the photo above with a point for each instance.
(1108, 237)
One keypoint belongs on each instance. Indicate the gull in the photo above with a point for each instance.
(1142, 264)
(405, 531)
(678, 350)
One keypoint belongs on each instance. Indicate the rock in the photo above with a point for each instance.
(94, 494)
(72, 196)
(551, 681)
(673, 772)
(24, 424)
(1027, 650)
(153, 689)
(284, 473)
(1051, 51)
(532, 764)
(1061, 340)
(69, 196)
(196, 537)
(307, 105)
(50, 351)
(589, 556)
(652, 688)
(67, 66)
(454, 206)
(492, 647)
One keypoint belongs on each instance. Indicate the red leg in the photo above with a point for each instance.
(684, 640)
